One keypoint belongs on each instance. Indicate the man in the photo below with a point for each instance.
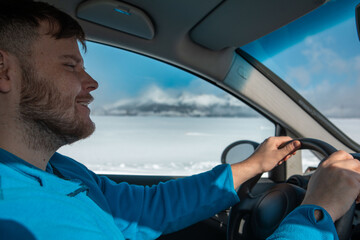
(44, 97)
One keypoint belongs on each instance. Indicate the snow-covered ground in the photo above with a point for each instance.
(172, 145)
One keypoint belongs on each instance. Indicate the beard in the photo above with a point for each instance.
(49, 117)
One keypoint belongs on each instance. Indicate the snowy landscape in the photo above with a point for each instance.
(157, 102)
(182, 135)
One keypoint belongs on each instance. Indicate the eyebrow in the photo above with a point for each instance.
(73, 57)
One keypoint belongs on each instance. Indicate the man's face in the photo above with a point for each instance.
(56, 89)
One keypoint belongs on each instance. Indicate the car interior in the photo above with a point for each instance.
(206, 38)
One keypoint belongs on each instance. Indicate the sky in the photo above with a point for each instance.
(322, 64)
(123, 74)
(323, 67)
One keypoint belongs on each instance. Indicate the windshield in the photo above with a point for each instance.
(319, 56)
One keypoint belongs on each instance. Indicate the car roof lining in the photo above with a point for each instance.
(171, 42)
(176, 39)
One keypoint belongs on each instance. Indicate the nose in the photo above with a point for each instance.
(89, 84)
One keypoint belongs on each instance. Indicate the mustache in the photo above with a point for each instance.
(85, 98)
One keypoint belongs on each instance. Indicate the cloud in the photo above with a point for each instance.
(321, 58)
(327, 76)
(156, 101)
(357, 63)
(334, 100)
(299, 75)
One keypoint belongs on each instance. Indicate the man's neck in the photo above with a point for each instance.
(35, 158)
(33, 149)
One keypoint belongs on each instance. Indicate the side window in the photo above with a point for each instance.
(152, 118)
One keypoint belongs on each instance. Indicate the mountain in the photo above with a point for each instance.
(156, 102)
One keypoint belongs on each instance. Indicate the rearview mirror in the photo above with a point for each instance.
(238, 151)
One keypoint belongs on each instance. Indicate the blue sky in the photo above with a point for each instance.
(323, 64)
(123, 74)
(326, 70)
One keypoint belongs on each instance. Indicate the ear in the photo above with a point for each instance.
(5, 83)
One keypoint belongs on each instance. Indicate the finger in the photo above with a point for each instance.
(279, 141)
(338, 156)
(342, 154)
(357, 199)
(281, 162)
(287, 157)
(348, 164)
(290, 148)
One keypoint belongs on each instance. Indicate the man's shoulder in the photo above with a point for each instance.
(69, 166)
(62, 161)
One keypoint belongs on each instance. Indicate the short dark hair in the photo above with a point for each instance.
(20, 21)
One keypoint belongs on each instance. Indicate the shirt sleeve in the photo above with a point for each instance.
(301, 224)
(147, 212)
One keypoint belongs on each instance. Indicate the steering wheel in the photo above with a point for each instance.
(257, 216)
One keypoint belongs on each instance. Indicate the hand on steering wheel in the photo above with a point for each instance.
(259, 215)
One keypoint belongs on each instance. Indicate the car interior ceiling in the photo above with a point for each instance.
(184, 29)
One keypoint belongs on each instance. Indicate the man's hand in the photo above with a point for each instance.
(267, 156)
(335, 185)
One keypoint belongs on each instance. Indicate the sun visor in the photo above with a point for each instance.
(117, 15)
(235, 23)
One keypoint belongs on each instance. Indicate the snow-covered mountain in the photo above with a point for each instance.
(156, 102)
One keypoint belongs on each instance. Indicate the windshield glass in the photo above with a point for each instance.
(319, 56)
